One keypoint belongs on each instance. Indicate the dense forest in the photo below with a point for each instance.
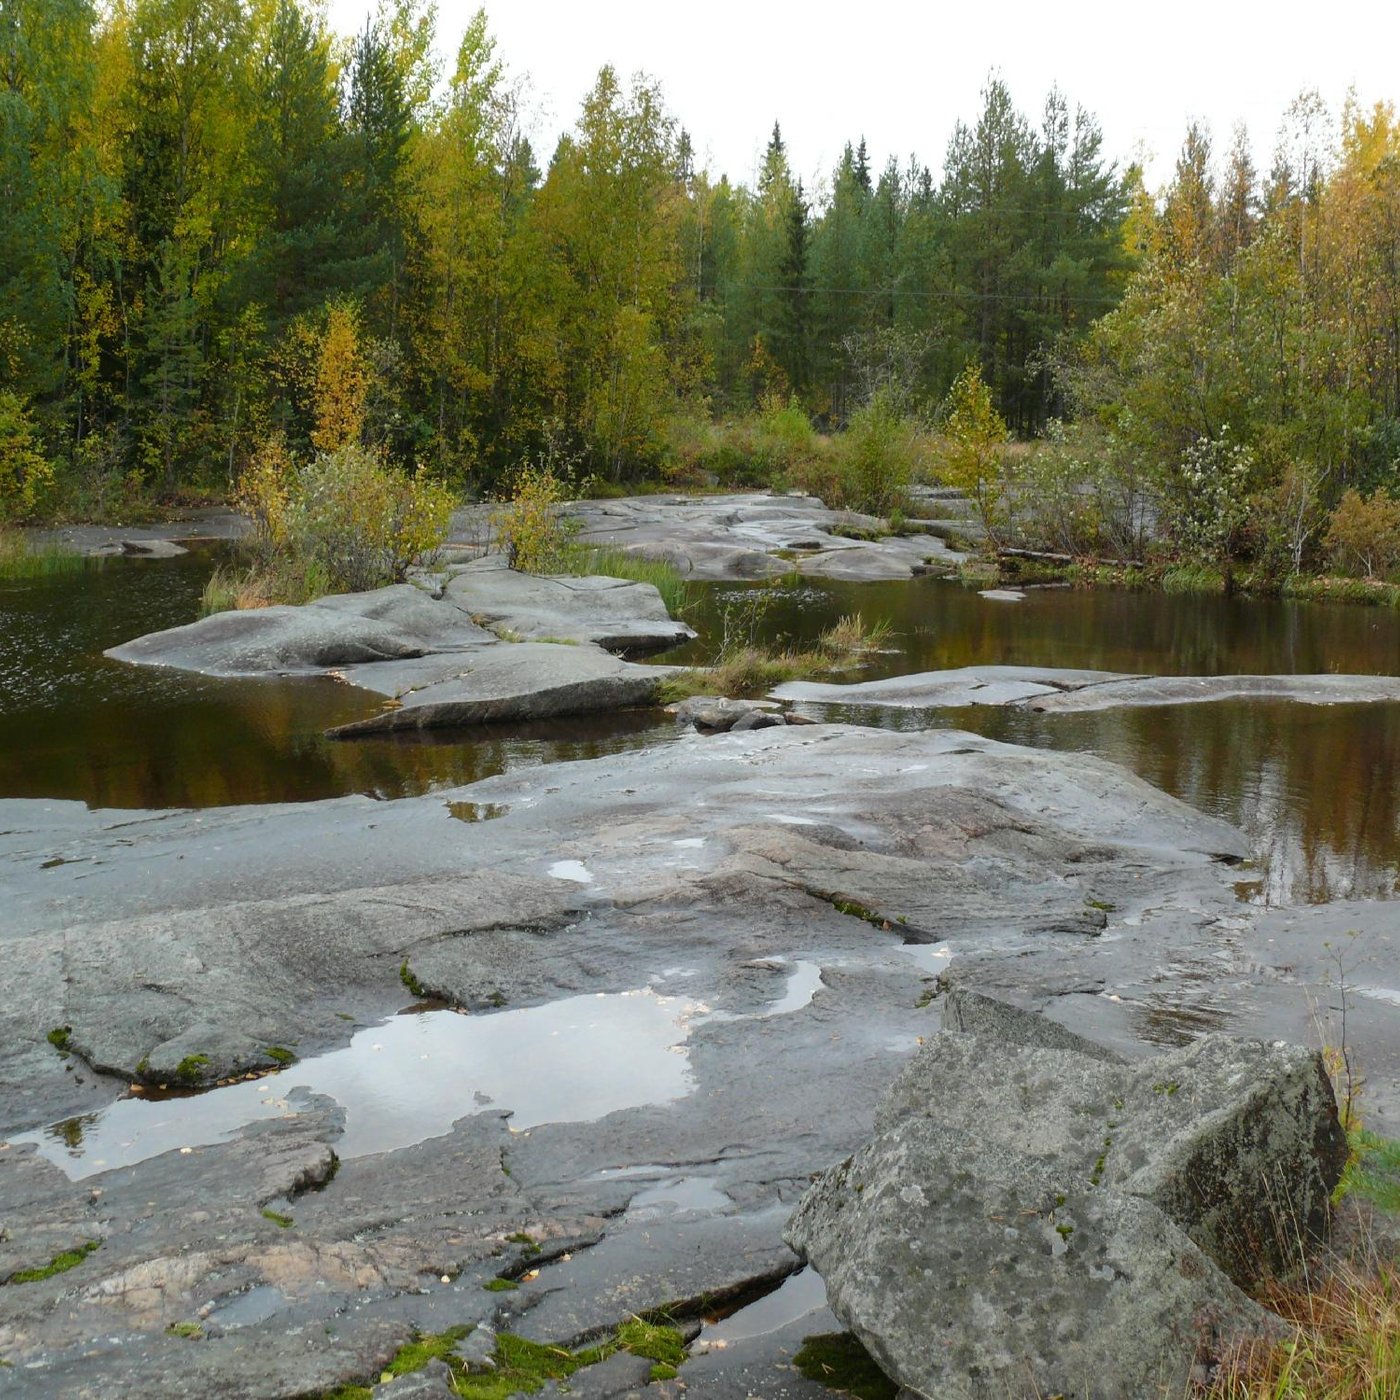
(196, 189)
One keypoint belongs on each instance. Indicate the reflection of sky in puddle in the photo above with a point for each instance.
(678, 1196)
(409, 1079)
(799, 1294)
(574, 870)
(931, 957)
(412, 1077)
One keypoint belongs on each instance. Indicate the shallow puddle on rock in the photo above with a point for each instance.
(412, 1077)
(574, 870)
(477, 811)
(1386, 994)
(679, 1196)
(799, 1294)
(931, 957)
(804, 982)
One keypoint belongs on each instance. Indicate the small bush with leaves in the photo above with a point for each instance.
(25, 473)
(975, 436)
(1207, 500)
(876, 455)
(343, 522)
(531, 529)
(1363, 535)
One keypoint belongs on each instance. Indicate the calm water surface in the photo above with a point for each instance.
(74, 724)
(1316, 787)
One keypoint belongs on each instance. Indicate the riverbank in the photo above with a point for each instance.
(1167, 576)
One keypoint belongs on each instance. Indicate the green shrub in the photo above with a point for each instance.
(344, 522)
(25, 473)
(876, 458)
(974, 441)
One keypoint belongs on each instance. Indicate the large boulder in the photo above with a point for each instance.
(969, 1273)
(1033, 1219)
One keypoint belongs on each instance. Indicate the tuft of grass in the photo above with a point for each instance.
(1344, 1342)
(1372, 1171)
(21, 558)
(654, 1341)
(1193, 578)
(838, 1361)
(852, 640)
(262, 584)
(59, 1264)
(190, 1330)
(612, 562)
(750, 670)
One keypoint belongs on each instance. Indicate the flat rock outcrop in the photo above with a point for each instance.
(464, 658)
(750, 535)
(1036, 1220)
(763, 902)
(507, 682)
(1050, 690)
(386, 624)
(616, 614)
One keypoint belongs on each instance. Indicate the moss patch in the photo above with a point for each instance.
(59, 1038)
(411, 982)
(414, 1355)
(59, 1264)
(654, 1341)
(838, 1361)
(192, 1331)
(500, 1285)
(283, 1222)
(279, 1054)
(190, 1070)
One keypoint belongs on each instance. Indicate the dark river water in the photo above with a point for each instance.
(1317, 788)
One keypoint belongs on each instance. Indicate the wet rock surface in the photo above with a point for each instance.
(1053, 691)
(1043, 1220)
(766, 895)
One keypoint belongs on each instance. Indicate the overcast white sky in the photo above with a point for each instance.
(902, 74)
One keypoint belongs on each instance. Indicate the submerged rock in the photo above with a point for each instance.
(1041, 1220)
(717, 713)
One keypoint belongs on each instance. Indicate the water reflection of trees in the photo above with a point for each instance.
(939, 625)
(263, 743)
(1312, 785)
